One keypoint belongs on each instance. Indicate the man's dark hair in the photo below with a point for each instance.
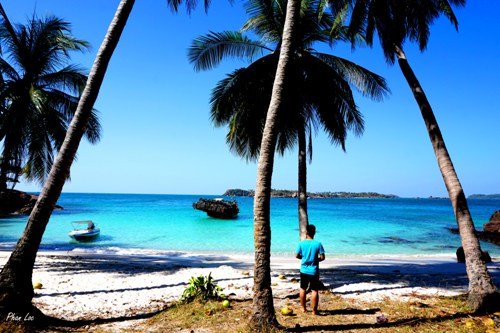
(311, 230)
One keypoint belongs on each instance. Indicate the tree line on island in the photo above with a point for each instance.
(310, 195)
(287, 31)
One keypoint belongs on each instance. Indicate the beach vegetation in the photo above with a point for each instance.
(203, 288)
(396, 22)
(39, 91)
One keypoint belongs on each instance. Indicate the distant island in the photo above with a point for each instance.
(484, 196)
(311, 195)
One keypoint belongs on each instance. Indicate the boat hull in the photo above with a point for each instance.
(84, 235)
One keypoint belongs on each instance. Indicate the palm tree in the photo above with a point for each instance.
(16, 290)
(320, 96)
(37, 95)
(263, 313)
(395, 22)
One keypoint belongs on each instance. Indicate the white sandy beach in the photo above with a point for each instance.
(82, 285)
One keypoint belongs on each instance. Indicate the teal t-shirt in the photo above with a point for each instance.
(309, 249)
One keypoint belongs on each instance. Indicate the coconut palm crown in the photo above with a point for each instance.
(321, 84)
(395, 21)
(319, 89)
(39, 92)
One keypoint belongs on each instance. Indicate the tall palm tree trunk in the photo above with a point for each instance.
(482, 291)
(263, 309)
(16, 291)
(3, 175)
(302, 188)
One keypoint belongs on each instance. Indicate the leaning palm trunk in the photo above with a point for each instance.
(482, 291)
(302, 188)
(16, 290)
(263, 309)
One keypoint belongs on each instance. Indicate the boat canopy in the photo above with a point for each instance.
(89, 224)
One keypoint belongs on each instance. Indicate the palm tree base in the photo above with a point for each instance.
(260, 325)
(481, 303)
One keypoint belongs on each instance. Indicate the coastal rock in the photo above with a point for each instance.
(493, 226)
(217, 208)
(492, 237)
(485, 256)
(13, 202)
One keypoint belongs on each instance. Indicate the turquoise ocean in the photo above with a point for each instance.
(346, 227)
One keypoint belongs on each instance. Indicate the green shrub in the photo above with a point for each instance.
(202, 287)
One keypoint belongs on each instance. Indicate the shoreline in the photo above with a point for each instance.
(124, 251)
(83, 285)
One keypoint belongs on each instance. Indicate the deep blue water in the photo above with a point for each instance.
(345, 226)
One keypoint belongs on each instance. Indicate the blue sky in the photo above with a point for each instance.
(157, 135)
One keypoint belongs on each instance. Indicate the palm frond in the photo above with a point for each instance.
(266, 19)
(70, 78)
(65, 105)
(93, 131)
(241, 100)
(367, 83)
(332, 100)
(398, 21)
(8, 72)
(208, 51)
(40, 152)
(38, 92)
(7, 32)
(189, 4)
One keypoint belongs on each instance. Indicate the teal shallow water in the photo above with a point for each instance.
(168, 222)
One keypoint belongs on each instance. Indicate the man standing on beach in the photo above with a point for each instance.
(311, 252)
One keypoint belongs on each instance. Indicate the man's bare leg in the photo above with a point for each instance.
(303, 299)
(315, 301)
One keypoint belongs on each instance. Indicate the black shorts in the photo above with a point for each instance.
(309, 282)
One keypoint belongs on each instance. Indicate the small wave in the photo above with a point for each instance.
(125, 251)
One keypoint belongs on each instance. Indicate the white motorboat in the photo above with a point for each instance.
(84, 231)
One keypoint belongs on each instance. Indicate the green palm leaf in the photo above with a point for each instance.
(397, 21)
(367, 82)
(208, 51)
(319, 88)
(39, 93)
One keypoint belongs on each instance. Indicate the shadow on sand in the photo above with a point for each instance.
(134, 264)
(392, 275)
(397, 323)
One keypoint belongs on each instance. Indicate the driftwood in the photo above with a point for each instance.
(218, 208)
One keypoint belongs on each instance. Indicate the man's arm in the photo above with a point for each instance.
(298, 252)
(321, 256)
